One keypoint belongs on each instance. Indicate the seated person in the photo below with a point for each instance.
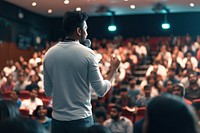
(8, 109)
(40, 114)
(118, 123)
(169, 114)
(14, 96)
(143, 100)
(179, 90)
(32, 102)
(125, 100)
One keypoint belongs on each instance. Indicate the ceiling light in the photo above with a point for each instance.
(66, 2)
(50, 11)
(132, 6)
(78, 9)
(192, 4)
(165, 25)
(125, 0)
(112, 27)
(34, 4)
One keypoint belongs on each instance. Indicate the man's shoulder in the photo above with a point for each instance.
(107, 122)
(125, 120)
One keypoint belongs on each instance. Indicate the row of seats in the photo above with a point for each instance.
(23, 94)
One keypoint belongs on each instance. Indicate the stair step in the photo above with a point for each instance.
(140, 72)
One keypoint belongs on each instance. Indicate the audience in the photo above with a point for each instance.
(174, 60)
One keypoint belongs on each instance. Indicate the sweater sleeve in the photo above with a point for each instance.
(48, 87)
(100, 86)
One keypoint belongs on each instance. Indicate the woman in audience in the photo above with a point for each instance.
(41, 116)
(170, 114)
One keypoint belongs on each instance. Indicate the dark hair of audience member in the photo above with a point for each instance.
(117, 107)
(96, 129)
(100, 112)
(170, 114)
(21, 125)
(8, 109)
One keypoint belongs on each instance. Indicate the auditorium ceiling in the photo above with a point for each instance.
(56, 8)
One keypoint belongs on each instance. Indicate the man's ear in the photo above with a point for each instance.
(79, 31)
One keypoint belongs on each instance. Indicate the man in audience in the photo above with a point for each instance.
(100, 115)
(10, 68)
(14, 96)
(21, 83)
(179, 90)
(8, 85)
(171, 76)
(143, 100)
(193, 91)
(34, 83)
(133, 91)
(32, 102)
(125, 100)
(118, 123)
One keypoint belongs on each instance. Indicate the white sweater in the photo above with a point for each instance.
(69, 70)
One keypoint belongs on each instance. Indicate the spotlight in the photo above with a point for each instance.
(165, 25)
(112, 26)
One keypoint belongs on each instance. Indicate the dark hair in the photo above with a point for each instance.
(170, 114)
(21, 125)
(147, 87)
(97, 129)
(36, 110)
(8, 109)
(172, 69)
(123, 89)
(117, 107)
(73, 20)
(100, 112)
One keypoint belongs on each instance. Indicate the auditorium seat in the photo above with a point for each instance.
(45, 101)
(128, 114)
(6, 95)
(24, 94)
(140, 114)
(24, 112)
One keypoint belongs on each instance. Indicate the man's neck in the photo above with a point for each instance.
(70, 38)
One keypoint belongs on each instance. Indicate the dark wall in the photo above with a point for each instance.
(138, 25)
(32, 25)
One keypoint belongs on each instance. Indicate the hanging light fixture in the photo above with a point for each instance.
(165, 25)
(112, 27)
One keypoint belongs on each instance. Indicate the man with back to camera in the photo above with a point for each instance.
(69, 70)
